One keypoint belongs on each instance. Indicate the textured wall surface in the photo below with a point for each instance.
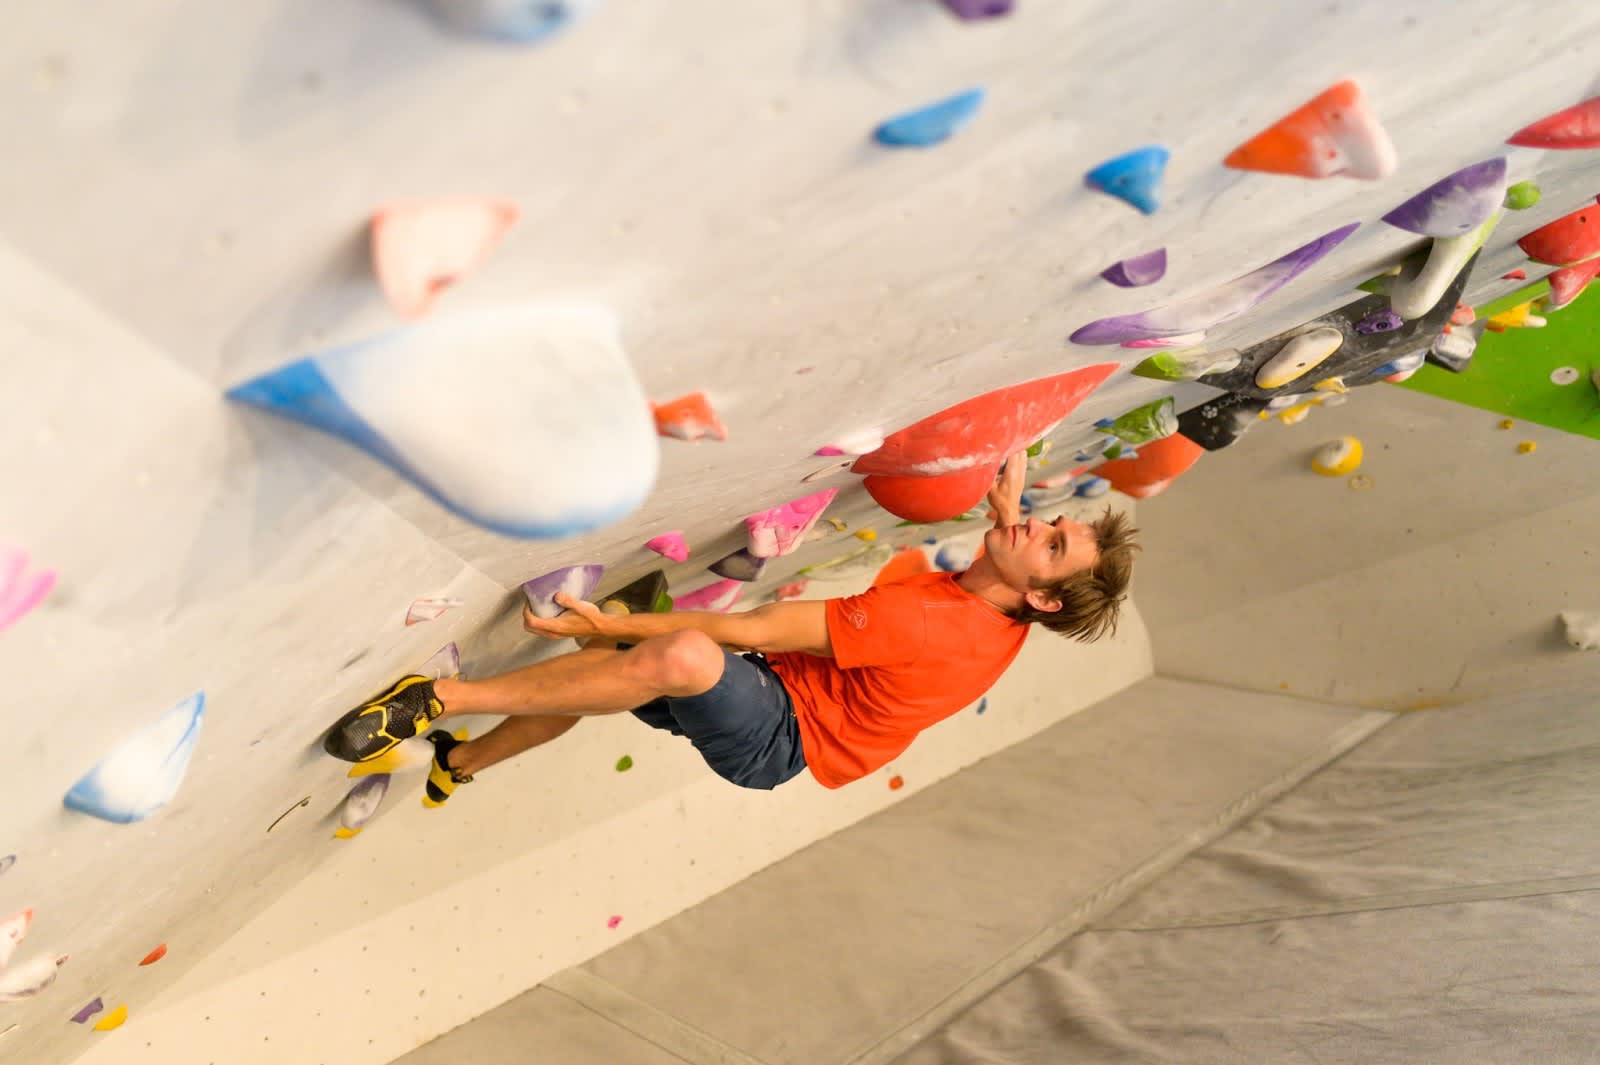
(185, 207)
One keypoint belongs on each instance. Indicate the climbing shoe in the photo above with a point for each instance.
(442, 779)
(376, 726)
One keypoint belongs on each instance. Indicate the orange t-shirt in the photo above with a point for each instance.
(905, 656)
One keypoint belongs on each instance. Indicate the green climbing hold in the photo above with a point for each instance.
(1522, 195)
(1112, 452)
(1188, 365)
(1036, 449)
(1152, 421)
(624, 763)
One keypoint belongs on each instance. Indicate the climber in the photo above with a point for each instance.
(837, 686)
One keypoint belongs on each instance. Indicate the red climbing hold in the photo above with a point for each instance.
(1576, 127)
(1519, 274)
(945, 463)
(896, 782)
(1569, 239)
(1157, 464)
(1568, 283)
(155, 955)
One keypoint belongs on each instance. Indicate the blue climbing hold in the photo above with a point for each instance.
(927, 126)
(1134, 177)
(512, 21)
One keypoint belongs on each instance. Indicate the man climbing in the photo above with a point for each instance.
(837, 686)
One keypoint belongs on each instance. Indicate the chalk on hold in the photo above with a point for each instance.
(511, 21)
(739, 566)
(142, 773)
(1212, 308)
(719, 596)
(1150, 421)
(1577, 126)
(971, 10)
(647, 595)
(361, 804)
(1582, 628)
(1522, 195)
(1138, 271)
(1334, 133)
(1570, 239)
(1413, 293)
(930, 125)
(1300, 355)
(669, 545)
(1454, 205)
(429, 608)
(27, 978)
(1190, 364)
(1568, 283)
(781, 529)
(1338, 457)
(422, 247)
(576, 581)
(1134, 177)
(12, 931)
(688, 417)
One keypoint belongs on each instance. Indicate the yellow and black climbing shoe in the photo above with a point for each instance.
(442, 779)
(376, 726)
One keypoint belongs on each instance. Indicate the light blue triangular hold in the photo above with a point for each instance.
(145, 770)
(1134, 177)
(930, 125)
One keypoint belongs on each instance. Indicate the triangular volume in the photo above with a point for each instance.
(1335, 133)
(143, 773)
(420, 248)
(1133, 178)
(1576, 127)
(780, 530)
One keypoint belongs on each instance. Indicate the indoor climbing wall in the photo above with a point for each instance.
(334, 333)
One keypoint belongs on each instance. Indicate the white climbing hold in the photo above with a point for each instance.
(1414, 292)
(1583, 629)
(1300, 355)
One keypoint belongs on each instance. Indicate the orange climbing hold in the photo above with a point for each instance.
(1576, 127)
(930, 499)
(420, 248)
(896, 782)
(1569, 239)
(1336, 133)
(1157, 464)
(155, 955)
(688, 418)
(906, 563)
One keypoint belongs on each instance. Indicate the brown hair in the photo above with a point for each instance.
(1092, 598)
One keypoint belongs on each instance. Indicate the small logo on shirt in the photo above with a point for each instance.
(858, 618)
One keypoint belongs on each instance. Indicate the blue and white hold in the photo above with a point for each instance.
(526, 420)
(145, 771)
(512, 21)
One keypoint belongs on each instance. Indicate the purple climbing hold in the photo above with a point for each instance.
(1455, 205)
(576, 581)
(83, 1015)
(1384, 321)
(971, 10)
(1138, 271)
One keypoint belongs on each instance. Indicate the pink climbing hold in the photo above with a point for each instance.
(719, 596)
(422, 247)
(1177, 340)
(614, 921)
(1576, 127)
(20, 592)
(669, 545)
(1334, 133)
(780, 530)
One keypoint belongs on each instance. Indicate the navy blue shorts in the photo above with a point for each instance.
(744, 727)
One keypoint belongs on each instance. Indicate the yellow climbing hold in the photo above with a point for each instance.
(1527, 447)
(1518, 317)
(1337, 457)
(1303, 353)
(1507, 424)
(838, 525)
(1332, 384)
(867, 535)
(112, 1020)
(1295, 414)
(614, 606)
